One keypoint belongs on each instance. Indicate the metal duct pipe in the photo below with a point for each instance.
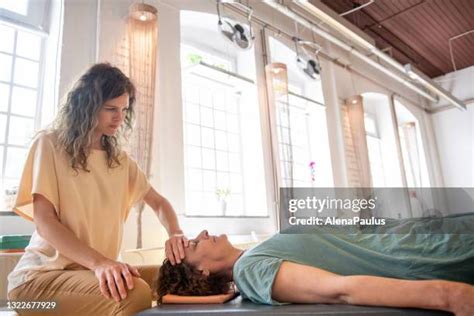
(426, 82)
(346, 47)
(407, 69)
(358, 8)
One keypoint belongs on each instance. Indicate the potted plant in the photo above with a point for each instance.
(222, 194)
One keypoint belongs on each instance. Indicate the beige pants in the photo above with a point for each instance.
(76, 292)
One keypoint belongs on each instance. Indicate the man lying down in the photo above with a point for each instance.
(432, 271)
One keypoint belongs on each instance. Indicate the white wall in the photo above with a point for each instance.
(459, 83)
(79, 51)
(79, 41)
(455, 138)
(454, 131)
(15, 225)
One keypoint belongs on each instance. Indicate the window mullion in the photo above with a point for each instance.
(7, 131)
(40, 85)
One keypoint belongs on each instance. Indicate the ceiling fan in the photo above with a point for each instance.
(240, 34)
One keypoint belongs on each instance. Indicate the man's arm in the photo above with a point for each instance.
(299, 283)
(174, 246)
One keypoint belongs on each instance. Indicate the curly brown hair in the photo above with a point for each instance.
(182, 279)
(77, 118)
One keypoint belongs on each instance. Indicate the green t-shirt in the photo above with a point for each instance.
(413, 256)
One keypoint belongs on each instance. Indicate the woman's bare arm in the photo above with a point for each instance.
(163, 209)
(60, 237)
(299, 283)
(113, 276)
(174, 246)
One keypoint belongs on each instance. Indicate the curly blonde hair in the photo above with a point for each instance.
(77, 118)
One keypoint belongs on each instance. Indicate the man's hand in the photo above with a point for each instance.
(113, 276)
(174, 248)
(460, 298)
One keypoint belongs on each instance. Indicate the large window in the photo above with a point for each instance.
(23, 33)
(375, 151)
(382, 141)
(413, 154)
(224, 170)
(303, 145)
(212, 141)
(20, 58)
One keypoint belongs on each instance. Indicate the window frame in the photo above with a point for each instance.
(36, 19)
(309, 102)
(199, 125)
(244, 80)
(421, 141)
(20, 26)
(375, 136)
(229, 225)
(299, 80)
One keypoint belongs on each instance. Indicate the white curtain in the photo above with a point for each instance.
(357, 154)
(277, 90)
(136, 56)
(411, 161)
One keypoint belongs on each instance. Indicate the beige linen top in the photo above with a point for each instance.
(93, 205)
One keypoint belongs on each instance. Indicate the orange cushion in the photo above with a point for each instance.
(210, 299)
